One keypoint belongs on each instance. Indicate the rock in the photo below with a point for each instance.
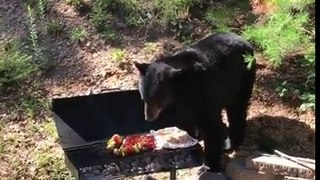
(236, 170)
(277, 165)
(294, 178)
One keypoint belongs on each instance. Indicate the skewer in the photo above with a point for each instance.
(293, 159)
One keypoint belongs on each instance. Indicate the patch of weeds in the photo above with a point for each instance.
(42, 8)
(217, 17)
(53, 163)
(78, 34)
(250, 59)
(279, 36)
(50, 129)
(98, 17)
(110, 35)
(79, 5)
(31, 101)
(308, 101)
(117, 54)
(150, 48)
(288, 29)
(33, 35)
(15, 65)
(54, 28)
(174, 9)
(222, 28)
(187, 40)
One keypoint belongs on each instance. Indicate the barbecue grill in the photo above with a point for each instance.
(85, 123)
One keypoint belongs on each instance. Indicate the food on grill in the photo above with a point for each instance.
(116, 151)
(130, 145)
(114, 142)
(173, 138)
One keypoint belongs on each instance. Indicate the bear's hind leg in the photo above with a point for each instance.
(237, 124)
(214, 132)
(237, 111)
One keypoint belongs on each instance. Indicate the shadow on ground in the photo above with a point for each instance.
(278, 132)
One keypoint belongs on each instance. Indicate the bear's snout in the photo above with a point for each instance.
(151, 112)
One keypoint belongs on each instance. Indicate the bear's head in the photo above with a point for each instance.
(156, 79)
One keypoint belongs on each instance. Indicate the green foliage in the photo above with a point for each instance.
(78, 34)
(15, 66)
(74, 2)
(54, 28)
(280, 35)
(287, 30)
(42, 6)
(140, 12)
(216, 17)
(98, 17)
(250, 59)
(174, 9)
(110, 35)
(117, 54)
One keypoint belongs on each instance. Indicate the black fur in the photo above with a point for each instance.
(199, 82)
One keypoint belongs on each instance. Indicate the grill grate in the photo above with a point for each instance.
(94, 162)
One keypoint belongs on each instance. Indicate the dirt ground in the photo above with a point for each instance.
(88, 68)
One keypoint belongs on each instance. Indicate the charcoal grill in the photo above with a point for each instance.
(84, 124)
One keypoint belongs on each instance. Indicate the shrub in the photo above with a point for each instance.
(78, 34)
(15, 65)
(286, 31)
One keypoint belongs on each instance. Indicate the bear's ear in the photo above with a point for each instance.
(142, 67)
(188, 59)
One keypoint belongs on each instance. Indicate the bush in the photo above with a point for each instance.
(15, 66)
(288, 30)
(78, 34)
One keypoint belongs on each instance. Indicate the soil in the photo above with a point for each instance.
(88, 68)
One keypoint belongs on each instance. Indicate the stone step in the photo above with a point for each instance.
(273, 164)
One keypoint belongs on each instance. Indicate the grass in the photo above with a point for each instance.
(78, 34)
(149, 48)
(281, 25)
(117, 54)
(286, 32)
(215, 17)
(54, 28)
(15, 65)
(110, 35)
(98, 17)
(41, 157)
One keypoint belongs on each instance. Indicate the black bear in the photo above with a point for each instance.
(199, 81)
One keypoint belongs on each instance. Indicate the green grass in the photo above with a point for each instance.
(288, 30)
(54, 28)
(110, 35)
(78, 34)
(15, 65)
(149, 48)
(217, 17)
(281, 35)
(99, 16)
(117, 54)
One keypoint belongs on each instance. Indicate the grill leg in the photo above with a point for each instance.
(173, 174)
